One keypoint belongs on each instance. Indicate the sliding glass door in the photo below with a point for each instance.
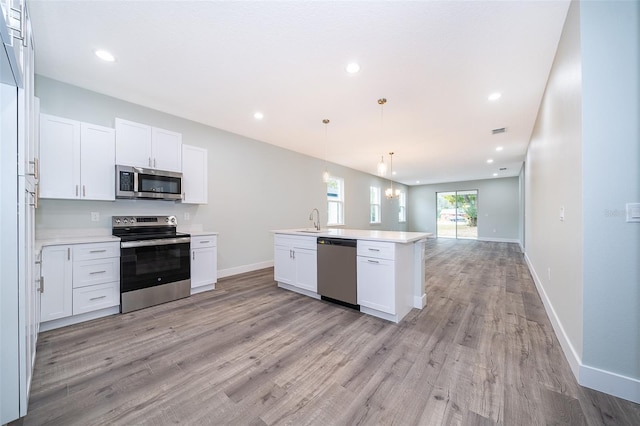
(457, 214)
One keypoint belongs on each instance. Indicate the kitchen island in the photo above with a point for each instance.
(390, 267)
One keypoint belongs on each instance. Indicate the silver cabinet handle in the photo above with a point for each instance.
(41, 284)
(84, 191)
(193, 255)
(36, 196)
(98, 251)
(97, 298)
(204, 242)
(372, 249)
(76, 190)
(154, 163)
(68, 253)
(97, 272)
(372, 261)
(149, 161)
(161, 242)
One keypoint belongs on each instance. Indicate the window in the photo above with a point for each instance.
(335, 201)
(374, 200)
(402, 207)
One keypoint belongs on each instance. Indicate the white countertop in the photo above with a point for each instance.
(76, 239)
(359, 234)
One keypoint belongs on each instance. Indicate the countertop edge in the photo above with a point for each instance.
(357, 234)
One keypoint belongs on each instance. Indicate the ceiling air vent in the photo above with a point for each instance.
(500, 130)
(502, 169)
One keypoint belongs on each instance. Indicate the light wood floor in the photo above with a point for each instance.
(482, 352)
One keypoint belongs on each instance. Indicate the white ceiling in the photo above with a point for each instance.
(218, 62)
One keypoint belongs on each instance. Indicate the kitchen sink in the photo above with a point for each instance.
(309, 231)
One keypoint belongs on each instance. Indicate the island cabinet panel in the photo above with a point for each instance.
(376, 284)
(295, 263)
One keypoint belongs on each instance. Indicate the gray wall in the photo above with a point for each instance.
(610, 45)
(498, 207)
(254, 187)
(584, 155)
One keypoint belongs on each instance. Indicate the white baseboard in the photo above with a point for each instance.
(420, 301)
(500, 240)
(244, 268)
(614, 384)
(601, 380)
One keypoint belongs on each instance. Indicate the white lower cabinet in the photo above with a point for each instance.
(376, 285)
(56, 283)
(295, 263)
(204, 262)
(385, 279)
(78, 279)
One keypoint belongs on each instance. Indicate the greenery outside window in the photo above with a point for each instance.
(335, 201)
(374, 201)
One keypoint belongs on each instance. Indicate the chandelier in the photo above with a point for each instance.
(390, 192)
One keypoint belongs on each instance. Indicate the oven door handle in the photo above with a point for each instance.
(159, 242)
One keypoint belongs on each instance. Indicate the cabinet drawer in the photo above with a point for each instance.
(202, 241)
(296, 241)
(90, 272)
(95, 251)
(376, 249)
(92, 298)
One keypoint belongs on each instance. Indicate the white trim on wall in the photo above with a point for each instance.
(244, 268)
(604, 381)
(500, 240)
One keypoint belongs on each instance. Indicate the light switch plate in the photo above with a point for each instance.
(562, 214)
(633, 212)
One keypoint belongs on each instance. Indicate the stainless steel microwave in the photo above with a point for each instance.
(138, 182)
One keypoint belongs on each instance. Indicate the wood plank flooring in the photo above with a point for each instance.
(482, 352)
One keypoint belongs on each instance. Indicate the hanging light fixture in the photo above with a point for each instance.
(382, 167)
(390, 192)
(325, 175)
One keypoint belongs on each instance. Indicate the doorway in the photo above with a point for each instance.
(457, 214)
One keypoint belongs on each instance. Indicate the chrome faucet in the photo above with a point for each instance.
(315, 224)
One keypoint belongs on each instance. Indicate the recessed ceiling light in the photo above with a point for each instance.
(104, 55)
(394, 173)
(499, 148)
(353, 68)
(490, 160)
(495, 96)
(417, 181)
(495, 174)
(258, 116)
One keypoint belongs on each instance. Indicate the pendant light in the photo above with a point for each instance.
(382, 167)
(325, 175)
(389, 192)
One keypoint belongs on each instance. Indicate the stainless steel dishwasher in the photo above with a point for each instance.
(337, 271)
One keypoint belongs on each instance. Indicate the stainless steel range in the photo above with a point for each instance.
(154, 261)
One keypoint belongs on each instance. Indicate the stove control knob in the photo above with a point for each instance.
(125, 220)
(132, 220)
(117, 220)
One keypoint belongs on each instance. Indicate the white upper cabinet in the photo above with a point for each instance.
(77, 160)
(59, 157)
(97, 162)
(194, 175)
(141, 145)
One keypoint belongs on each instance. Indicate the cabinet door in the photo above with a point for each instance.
(133, 144)
(306, 269)
(376, 286)
(56, 279)
(194, 175)
(204, 266)
(98, 160)
(167, 150)
(284, 269)
(59, 157)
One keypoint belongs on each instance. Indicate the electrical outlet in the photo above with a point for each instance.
(95, 216)
(187, 216)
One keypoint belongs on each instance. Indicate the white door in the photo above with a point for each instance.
(167, 150)
(284, 266)
(204, 268)
(57, 297)
(59, 157)
(133, 144)
(194, 175)
(306, 269)
(98, 160)
(376, 285)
